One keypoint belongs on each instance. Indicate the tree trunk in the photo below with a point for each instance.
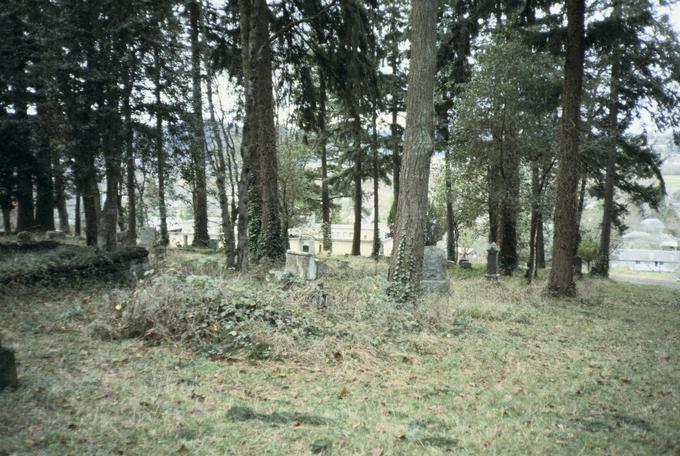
(327, 241)
(394, 126)
(106, 235)
(108, 222)
(270, 243)
(130, 166)
(77, 215)
(44, 201)
(24, 195)
(358, 192)
(601, 266)
(409, 240)
(533, 224)
(376, 181)
(540, 243)
(160, 153)
(494, 216)
(219, 165)
(561, 281)
(90, 195)
(6, 218)
(60, 192)
(201, 237)
(451, 248)
(246, 180)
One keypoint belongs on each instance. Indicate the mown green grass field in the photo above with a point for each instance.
(490, 368)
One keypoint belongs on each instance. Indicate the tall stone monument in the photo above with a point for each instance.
(434, 270)
(492, 262)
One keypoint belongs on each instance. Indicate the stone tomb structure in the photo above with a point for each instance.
(434, 270)
(301, 264)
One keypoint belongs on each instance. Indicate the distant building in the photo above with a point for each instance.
(310, 239)
(647, 260)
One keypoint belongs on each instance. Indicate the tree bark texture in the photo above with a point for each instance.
(271, 244)
(60, 192)
(130, 165)
(160, 152)
(601, 266)
(419, 145)
(201, 237)
(358, 192)
(561, 282)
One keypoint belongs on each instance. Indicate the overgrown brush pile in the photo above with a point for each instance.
(191, 299)
(50, 263)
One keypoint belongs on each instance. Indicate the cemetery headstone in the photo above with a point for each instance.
(147, 236)
(213, 244)
(492, 262)
(301, 264)
(56, 234)
(434, 270)
(8, 369)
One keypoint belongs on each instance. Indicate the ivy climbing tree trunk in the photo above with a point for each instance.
(407, 257)
(271, 244)
(561, 282)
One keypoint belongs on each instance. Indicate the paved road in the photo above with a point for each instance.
(644, 281)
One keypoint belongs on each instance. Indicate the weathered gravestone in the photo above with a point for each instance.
(147, 236)
(8, 369)
(434, 270)
(492, 262)
(301, 264)
(213, 244)
(56, 234)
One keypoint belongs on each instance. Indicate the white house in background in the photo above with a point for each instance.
(310, 239)
(647, 260)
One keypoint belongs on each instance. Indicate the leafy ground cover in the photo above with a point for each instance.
(294, 368)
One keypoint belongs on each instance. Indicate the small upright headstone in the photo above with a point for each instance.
(8, 369)
(492, 262)
(465, 264)
(213, 244)
(56, 234)
(147, 236)
(122, 236)
(302, 265)
(24, 237)
(434, 270)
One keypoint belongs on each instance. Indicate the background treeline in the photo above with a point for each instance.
(280, 108)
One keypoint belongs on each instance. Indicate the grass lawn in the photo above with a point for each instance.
(490, 368)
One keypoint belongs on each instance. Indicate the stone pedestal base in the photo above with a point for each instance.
(435, 285)
(492, 277)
